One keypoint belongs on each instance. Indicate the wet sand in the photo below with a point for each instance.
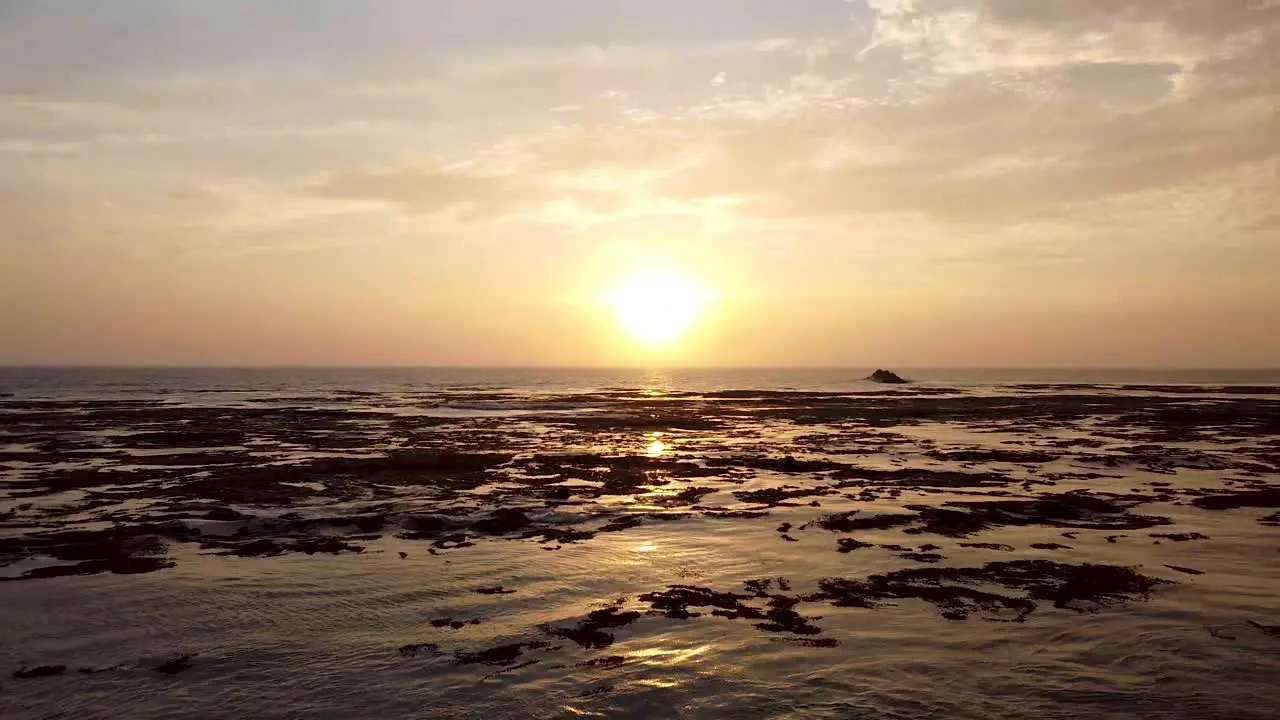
(645, 553)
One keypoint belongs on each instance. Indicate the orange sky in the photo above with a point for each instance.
(960, 183)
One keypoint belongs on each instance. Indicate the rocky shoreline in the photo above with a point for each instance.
(116, 487)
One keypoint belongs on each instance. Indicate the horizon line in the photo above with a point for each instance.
(394, 366)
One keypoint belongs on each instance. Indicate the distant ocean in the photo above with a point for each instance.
(111, 381)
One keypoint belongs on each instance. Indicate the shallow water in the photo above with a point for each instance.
(649, 545)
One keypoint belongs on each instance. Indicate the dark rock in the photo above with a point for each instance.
(1273, 630)
(923, 557)
(1180, 537)
(777, 496)
(812, 642)
(735, 514)
(590, 633)
(412, 651)
(557, 493)
(612, 661)
(257, 548)
(118, 566)
(848, 545)
(423, 527)
(1264, 498)
(451, 623)
(846, 522)
(780, 615)
(1077, 587)
(782, 618)
(1221, 633)
(675, 601)
(567, 536)
(325, 545)
(1073, 509)
(502, 655)
(621, 524)
(989, 455)
(175, 666)
(268, 547)
(887, 377)
(122, 549)
(369, 523)
(786, 464)
(39, 671)
(989, 546)
(453, 542)
(503, 521)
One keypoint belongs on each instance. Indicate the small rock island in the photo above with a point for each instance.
(887, 377)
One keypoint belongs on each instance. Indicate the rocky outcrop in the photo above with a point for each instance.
(887, 377)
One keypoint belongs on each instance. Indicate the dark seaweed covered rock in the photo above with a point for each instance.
(1073, 510)
(1083, 588)
(591, 633)
(175, 666)
(501, 655)
(39, 671)
(502, 521)
(1268, 497)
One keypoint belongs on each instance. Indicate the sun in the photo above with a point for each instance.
(657, 309)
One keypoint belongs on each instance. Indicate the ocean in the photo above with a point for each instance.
(87, 381)
(548, 543)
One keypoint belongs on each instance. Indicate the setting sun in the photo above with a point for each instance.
(658, 309)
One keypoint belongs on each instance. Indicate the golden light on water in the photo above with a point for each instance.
(660, 683)
(657, 309)
(669, 656)
(656, 447)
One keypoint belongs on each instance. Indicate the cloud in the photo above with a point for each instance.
(423, 191)
(1201, 18)
(1006, 139)
(973, 115)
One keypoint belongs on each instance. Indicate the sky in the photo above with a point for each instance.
(946, 183)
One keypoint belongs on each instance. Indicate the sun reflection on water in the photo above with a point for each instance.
(658, 683)
(656, 447)
(669, 656)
